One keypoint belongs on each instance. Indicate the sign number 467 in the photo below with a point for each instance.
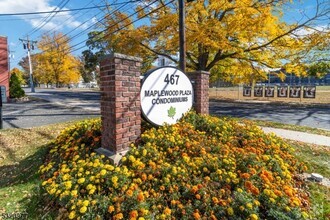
(171, 79)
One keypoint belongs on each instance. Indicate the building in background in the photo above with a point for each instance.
(4, 67)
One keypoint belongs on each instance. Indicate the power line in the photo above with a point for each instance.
(65, 10)
(107, 35)
(119, 22)
(49, 17)
(91, 26)
(123, 4)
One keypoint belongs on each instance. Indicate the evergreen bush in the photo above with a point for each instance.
(15, 90)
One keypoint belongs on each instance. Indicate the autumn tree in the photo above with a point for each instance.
(234, 39)
(55, 64)
(24, 63)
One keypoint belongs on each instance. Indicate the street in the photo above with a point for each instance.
(65, 105)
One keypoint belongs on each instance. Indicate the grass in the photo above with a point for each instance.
(292, 127)
(317, 159)
(23, 150)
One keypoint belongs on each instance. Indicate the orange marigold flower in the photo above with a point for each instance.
(119, 216)
(245, 175)
(133, 214)
(167, 211)
(129, 193)
(111, 209)
(198, 196)
(140, 197)
(197, 215)
(215, 200)
(194, 189)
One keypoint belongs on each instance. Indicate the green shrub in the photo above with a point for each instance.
(15, 90)
(202, 167)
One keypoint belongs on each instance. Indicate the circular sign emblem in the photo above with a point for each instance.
(166, 94)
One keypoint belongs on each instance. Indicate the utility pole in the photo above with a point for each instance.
(28, 44)
(182, 34)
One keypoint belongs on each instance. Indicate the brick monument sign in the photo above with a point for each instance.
(121, 103)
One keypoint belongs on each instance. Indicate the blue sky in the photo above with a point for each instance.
(15, 27)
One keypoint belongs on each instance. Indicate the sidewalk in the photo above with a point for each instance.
(299, 136)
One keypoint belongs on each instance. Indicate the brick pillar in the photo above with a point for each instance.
(120, 104)
(200, 81)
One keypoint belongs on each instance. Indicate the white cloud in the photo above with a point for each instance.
(307, 31)
(59, 21)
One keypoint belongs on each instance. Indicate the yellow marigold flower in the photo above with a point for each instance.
(52, 191)
(256, 202)
(141, 218)
(254, 217)
(72, 215)
(272, 200)
(123, 159)
(90, 192)
(305, 215)
(81, 180)
(103, 172)
(241, 208)
(85, 203)
(83, 209)
(114, 179)
(249, 205)
(74, 193)
(68, 184)
(44, 183)
(230, 211)
(89, 186)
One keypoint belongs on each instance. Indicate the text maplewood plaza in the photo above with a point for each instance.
(160, 93)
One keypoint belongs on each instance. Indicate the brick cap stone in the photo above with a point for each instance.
(121, 56)
(114, 158)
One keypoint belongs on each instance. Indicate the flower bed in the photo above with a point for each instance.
(201, 168)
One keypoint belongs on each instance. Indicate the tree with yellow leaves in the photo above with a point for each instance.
(231, 38)
(55, 64)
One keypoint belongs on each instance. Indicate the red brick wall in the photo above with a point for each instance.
(4, 73)
(120, 101)
(201, 91)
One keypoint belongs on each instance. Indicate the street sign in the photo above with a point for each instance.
(295, 92)
(269, 91)
(309, 92)
(166, 94)
(258, 91)
(3, 94)
(282, 91)
(247, 91)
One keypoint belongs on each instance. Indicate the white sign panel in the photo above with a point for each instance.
(166, 94)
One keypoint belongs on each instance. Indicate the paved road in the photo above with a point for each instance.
(65, 105)
(317, 116)
(61, 106)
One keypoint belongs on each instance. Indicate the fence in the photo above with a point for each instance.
(322, 94)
